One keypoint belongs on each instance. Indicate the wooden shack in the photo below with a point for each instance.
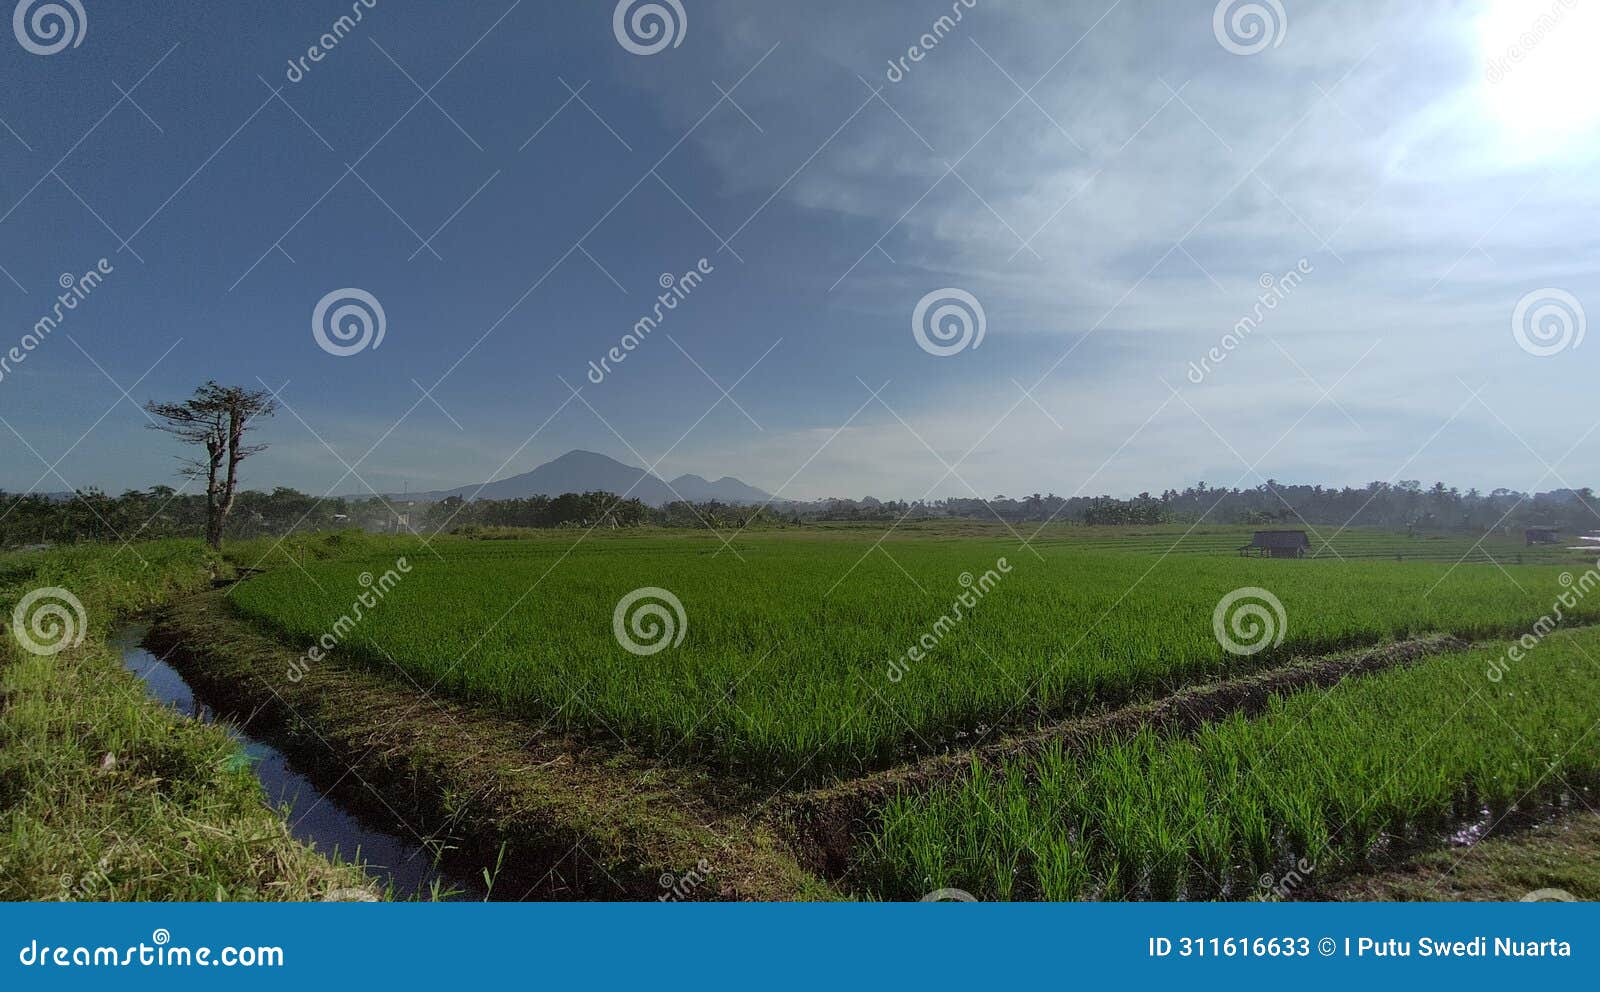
(1277, 544)
(1541, 535)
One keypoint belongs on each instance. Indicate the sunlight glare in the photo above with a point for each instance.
(1542, 65)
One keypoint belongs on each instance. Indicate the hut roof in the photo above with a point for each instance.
(1280, 539)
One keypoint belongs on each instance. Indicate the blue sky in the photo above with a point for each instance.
(1110, 181)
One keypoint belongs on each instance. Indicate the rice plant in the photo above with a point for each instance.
(1321, 779)
(795, 658)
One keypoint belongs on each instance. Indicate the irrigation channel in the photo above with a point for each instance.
(396, 863)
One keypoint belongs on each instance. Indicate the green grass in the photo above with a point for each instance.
(785, 664)
(1321, 778)
(1545, 862)
(106, 795)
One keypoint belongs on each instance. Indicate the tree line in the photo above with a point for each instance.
(1402, 505)
(164, 512)
(216, 419)
(161, 512)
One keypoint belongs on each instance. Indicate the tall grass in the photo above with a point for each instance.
(1318, 780)
(106, 795)
(786, 663)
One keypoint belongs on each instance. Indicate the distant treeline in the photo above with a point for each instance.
(1405, 505)
(1142, 509)
(163, 512)
(566, 510)
(596, 509)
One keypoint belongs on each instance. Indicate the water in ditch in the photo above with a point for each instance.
(396, 860)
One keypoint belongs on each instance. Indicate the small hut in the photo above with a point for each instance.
(1277, 544)
(1541, 535)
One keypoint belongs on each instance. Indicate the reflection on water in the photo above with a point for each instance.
(396, 861)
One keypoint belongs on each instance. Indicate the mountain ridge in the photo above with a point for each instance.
(580, 471)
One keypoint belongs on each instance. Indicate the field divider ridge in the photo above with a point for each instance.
(556, 817)
(825, 824)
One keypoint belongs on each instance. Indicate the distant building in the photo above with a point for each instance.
(1541, 535)
(1277, 544)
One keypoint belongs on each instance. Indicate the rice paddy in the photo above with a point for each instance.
(1312, 786)
(824, 654)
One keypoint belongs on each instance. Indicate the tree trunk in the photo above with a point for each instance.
(216, 511)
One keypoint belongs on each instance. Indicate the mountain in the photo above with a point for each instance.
(587, 471)
(727, 489)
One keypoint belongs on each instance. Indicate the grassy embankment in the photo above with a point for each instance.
(1548, 863)
(105, 795)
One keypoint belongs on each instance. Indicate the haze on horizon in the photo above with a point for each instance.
(1114, 183)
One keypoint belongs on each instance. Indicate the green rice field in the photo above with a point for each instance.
(1311, 786)
(796, 657)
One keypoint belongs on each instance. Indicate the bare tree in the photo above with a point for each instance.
(215, 418)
